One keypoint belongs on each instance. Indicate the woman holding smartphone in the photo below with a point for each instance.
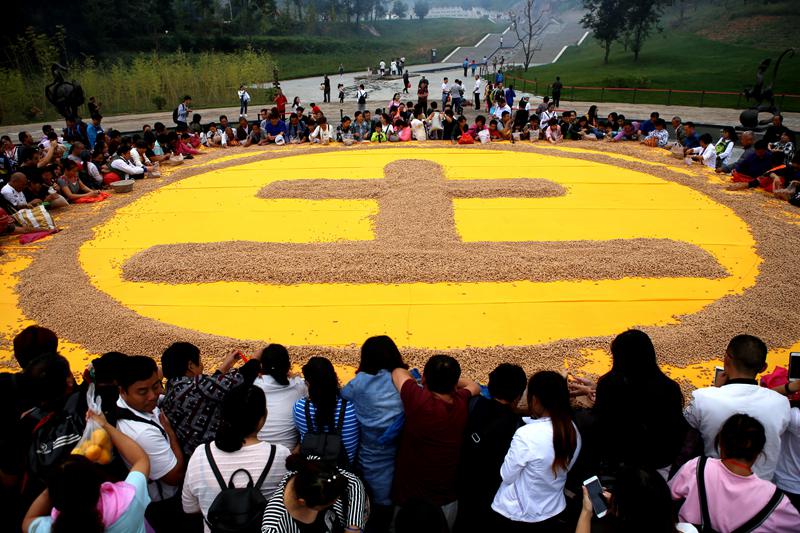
(531, 495)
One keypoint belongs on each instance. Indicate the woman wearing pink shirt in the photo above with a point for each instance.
(734, 497)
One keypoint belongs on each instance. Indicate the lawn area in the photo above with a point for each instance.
(304, 56)
(670, 60)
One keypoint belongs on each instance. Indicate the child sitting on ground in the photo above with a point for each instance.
(659, 137)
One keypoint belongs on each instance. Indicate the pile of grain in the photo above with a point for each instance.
(63, 298)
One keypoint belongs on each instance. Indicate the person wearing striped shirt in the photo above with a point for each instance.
(316, 497)
(325, 404)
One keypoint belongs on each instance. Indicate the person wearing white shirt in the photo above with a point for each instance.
(236, 447)
(382, 68)
(139, 417)
(738, 392)
(445, 92)
(323, 133)
(476, 92)
(418, 127)
(122, 165)
(545, 116)
(706, 153)
(500, 108)
(13, 191)
(724, 146)
(282, 392)
(535, 468)
(787, 471)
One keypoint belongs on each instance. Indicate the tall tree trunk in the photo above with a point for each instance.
(608, 50)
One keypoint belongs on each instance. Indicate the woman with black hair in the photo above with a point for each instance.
(78, 498)
(282, 390)
(638, 412)
(235, 448)
(724, 146)
(324, 404)
(318, 498)
(640, 502)
(724, 494)
(380, 414)
(531, 496)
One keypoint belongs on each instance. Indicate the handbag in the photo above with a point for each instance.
(35, 217)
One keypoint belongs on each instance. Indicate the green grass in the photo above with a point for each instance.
(671, 60)
(412, 39)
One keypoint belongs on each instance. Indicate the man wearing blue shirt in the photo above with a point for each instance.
(274, 127)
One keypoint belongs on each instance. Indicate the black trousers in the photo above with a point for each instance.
(557, 98)
(477, 101)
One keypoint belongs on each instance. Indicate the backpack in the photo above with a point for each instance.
(175, 115)
(751, 525)
(328, 446)
(55, 435)
(237, 509)
(362, 97)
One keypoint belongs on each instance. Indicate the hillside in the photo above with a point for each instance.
(686, 56)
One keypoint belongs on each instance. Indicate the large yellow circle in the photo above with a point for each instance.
(603, 202)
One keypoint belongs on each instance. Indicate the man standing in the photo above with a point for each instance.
(94, 129)
(430, 445)
(139, 417)
(738, 392)
(476, 92)
(280, 102)
(445, 92)
(457, 97)
(183, 111)
(341, 70)
(326, 89)
(382, 67)
(465, 64)
(556, 90)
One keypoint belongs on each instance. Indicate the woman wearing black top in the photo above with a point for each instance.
(638, 412)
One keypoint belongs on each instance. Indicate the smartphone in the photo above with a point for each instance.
(794, 366)
(241, 356)
(717, 371)
(596, 495)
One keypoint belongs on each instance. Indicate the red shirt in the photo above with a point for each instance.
(430, 446)
(280, 102)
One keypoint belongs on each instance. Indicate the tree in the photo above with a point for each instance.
(421, 9)
(640, 20)
(380, 11)
(399, 9)
(605, 19)
(528, 27)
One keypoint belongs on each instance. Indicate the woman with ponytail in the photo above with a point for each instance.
(531, 496)
(325, 406)
(78, 499)
(315, 496)
(235, 447)
(282, 391)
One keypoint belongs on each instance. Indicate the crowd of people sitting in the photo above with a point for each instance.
(76, 164)
(252, 446)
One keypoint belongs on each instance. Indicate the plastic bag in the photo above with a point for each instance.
(95, 444)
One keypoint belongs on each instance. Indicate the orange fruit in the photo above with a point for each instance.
(93, 452)
(105, 457)
(101, 437)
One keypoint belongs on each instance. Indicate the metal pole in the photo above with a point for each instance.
(702, 97)
(669, 96)
(634, 95)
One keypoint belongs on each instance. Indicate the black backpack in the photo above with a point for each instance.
(237, 509)
(175, 115)
(328, 446)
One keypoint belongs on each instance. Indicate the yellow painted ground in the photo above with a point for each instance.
(602, 202)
